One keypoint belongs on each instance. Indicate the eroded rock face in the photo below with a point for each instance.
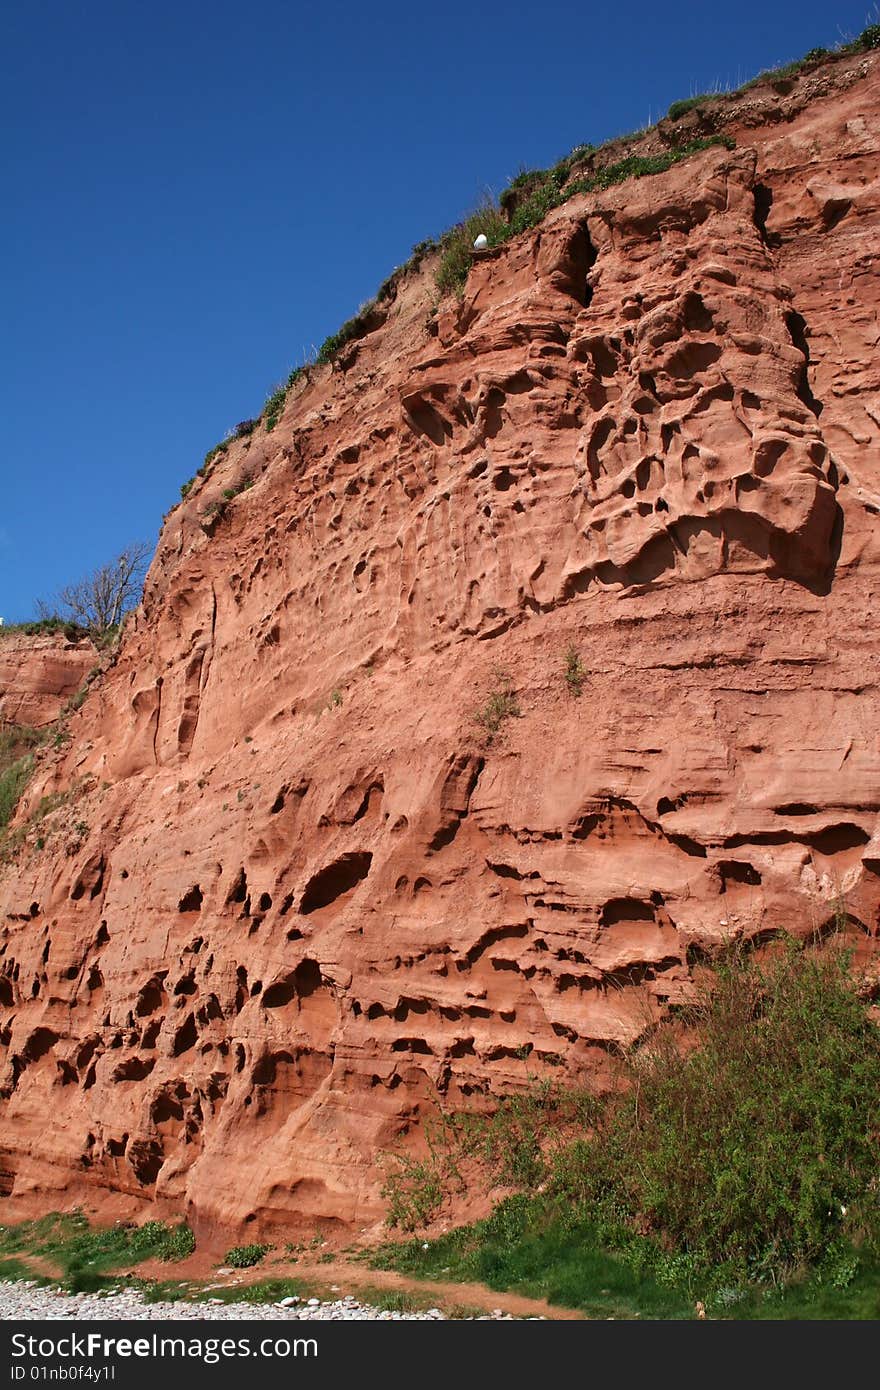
(39, 674)
(297, 894)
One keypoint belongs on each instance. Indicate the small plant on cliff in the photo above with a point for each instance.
(501, 704)
(575, 672)
(353, 328)
(274, 406)
(681, 108)
(245, 1256)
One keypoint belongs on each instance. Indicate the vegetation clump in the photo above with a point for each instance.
(456, 246)
(745, 1162)
(47, 626)
(13, 780)
(245, 1256)
(353, 328)
(84, 1256)
(575, 672)
(868, 39)
(501, 704)
(681, 108)
(545, 192)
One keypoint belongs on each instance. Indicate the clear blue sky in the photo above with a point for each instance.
(198, 191)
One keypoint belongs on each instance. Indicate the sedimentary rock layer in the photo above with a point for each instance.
(39, 674)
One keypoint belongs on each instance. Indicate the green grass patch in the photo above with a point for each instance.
(13, 1268)
(394, 1300)
(274, 406)
(45, 627)
(519, 1249)
(244, 1256)
(545, 192)
(353, 328)
(527, 1247)
(84, 1256)
(260, 1291)
(681, 108)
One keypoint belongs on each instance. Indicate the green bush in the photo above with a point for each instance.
(245, 1256)
(755, 1152)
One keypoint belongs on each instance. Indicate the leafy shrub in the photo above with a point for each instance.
(72, 631)
(244, 428)
(515, 1141)
(755, 1152)
(245, 1256)
(502, 704)
(414, 1191)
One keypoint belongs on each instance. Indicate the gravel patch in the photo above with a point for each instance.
(23, 1300)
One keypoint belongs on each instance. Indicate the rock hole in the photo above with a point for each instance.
(797, 328)
(334, 881)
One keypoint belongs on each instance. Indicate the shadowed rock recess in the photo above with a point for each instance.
(293, 893)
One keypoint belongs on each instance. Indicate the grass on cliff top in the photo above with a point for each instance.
(546, 192)
(40, 627)
(739, 1170)
(85, 1257)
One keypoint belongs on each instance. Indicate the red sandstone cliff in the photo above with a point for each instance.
(39, 674)
(294, 895)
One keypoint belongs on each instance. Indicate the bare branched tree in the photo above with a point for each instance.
(101, 600)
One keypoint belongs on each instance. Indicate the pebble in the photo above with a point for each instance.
(22, 1299)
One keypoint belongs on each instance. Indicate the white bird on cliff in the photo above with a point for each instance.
(481, 242)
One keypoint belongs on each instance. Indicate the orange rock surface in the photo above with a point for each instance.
(39, 674)
(296, 895)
